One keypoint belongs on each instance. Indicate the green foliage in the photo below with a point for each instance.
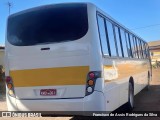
(2, 81)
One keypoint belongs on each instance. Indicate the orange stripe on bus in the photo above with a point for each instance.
(50, 76)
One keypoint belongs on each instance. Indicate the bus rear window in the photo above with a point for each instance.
(48, 24)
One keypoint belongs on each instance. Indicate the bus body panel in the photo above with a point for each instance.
(89, 103)
(117, 73)
(119, 90)
(50, 71)
(63, 91)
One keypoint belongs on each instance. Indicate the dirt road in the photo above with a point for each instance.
(144, 101)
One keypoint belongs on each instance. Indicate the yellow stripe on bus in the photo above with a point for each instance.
(50, 76)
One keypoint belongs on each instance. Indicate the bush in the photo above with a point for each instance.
(2, 81)
(1, 73)
(154, 66)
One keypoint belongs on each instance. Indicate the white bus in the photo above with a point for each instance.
(72, 57)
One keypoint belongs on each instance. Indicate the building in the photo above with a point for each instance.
(154, 47)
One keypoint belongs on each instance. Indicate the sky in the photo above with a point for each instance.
(140, 16)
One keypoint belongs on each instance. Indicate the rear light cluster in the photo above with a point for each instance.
(91, 80)
(10, 87)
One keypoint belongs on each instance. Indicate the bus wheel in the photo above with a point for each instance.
(130, 103)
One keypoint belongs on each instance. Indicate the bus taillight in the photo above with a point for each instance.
(91, 81)
(91, 75)
(8, 79)
(9, 85)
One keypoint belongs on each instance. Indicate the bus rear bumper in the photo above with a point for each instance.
(77, 106)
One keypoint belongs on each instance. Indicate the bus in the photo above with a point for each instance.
(72, 57)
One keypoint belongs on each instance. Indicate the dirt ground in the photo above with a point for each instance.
(144, 101)
(150, 100)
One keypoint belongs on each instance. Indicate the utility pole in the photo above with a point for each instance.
(9, 4)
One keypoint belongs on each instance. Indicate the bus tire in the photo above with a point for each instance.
(130, 103)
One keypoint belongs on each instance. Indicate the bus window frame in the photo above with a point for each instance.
(140, 41)
(104, 55)
(115, 42)
(126, 31)
(129, 42)
(135, 46)
(106, 18)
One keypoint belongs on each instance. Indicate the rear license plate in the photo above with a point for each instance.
(48, 92)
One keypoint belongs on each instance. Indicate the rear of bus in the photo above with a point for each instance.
(52, 59)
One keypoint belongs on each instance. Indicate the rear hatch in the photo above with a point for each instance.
(48, 52)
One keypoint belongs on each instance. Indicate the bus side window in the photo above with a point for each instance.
(147, 51)
(128, 45)
(138, 47)
(103, 36)
(141, 48)
(135, 47)
(124, 44)
(144, 50)
(132, 45)
(147, 55)
(117, 36)
(111, 38)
